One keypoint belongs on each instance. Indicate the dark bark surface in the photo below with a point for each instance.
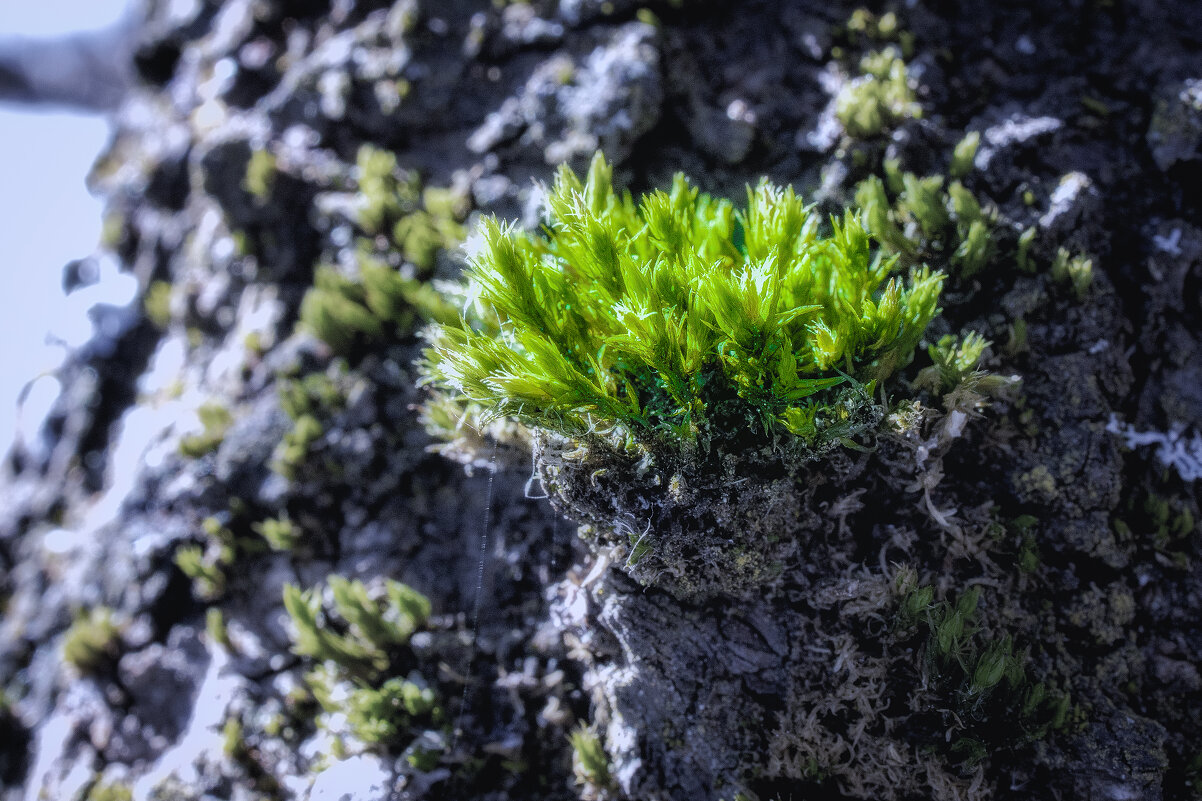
(1068, 507)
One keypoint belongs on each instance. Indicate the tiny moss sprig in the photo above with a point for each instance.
(1075, 270)
(360, 644)
(590, 763)
(380, 303)
(864, 23)
(955, 359)
(310, 401)
(261, 172)
(280, 533)
(915, 218)
(880, 98)
(978, 682)
(1023, 258)
(347, 313)
(206, 570)
(382, 194)
(206, 563)
(109, 791)
(657, 316)
(93, 639)
(964, 154)
(157, 304)
(216, 628)
(216, 420)
(391, 201)
(380, 715)
(371, 627)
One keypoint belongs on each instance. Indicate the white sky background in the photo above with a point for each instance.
(47, 217)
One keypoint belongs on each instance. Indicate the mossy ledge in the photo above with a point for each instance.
(693, 372)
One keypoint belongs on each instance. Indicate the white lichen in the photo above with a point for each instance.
(1174, 448)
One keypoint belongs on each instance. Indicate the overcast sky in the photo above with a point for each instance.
(52, 17)
(47, 217)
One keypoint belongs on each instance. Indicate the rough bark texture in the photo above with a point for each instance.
(1070, 505)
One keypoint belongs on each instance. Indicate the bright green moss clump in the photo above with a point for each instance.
(679, 313)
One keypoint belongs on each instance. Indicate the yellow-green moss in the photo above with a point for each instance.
(92, 640)
(260, 175)
(590, 763)
(880, 98)
(216, 419)
(280, 533)
(109, 791)
(157, 303)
